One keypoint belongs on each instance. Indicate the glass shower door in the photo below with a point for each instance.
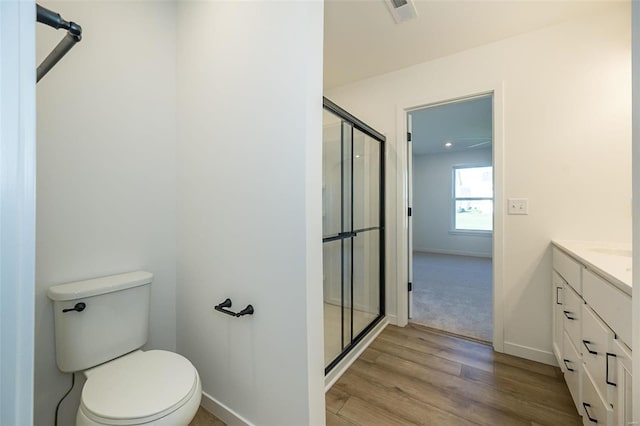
(353, 232)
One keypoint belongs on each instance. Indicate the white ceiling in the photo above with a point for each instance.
(362, 40)
(466, 125)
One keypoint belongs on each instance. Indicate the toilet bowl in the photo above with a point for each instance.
(100, 325)
(154, 387)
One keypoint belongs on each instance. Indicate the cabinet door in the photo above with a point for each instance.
(619, 372)
(557, 321)
(572, 368)
(572, 312)
(597, 338)
(595, 410)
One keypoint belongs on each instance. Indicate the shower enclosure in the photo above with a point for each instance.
(353, 231)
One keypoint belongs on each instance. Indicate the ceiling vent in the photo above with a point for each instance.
(402, 10)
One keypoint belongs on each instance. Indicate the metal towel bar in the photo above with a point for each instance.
(227, 304)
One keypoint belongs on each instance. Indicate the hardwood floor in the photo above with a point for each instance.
(205, 418)
(416, 376)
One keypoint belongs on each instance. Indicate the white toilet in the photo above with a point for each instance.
(100, 325)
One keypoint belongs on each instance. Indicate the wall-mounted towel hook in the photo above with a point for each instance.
(227, 304)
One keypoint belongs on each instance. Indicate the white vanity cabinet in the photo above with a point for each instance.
(558, 308)
(597, 340)
(591, 339)
(622, 392)
(567, 325)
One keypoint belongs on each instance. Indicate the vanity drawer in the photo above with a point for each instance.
(572, 313)
(572, 371)
(613, 305)
(568, 268)
(597, 338)
(594, 409)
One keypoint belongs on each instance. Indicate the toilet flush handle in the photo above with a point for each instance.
(79, 307)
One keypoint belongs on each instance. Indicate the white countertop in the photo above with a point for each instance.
(612, 261)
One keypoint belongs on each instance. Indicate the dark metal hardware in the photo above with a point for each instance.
(344, 235)
(567, 366)
(586, 344)
(74, 35)
(349, 234)
(227, 304)
(557, 297)
(410, 286)
(606, 377)
(79, 307)
(569, 315)
(586, 405)
(246, 311)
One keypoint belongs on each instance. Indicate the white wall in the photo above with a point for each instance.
(106, 133)
(636, 205)
(249, 206)
(432, 209)
(17, 210)
(567, 123)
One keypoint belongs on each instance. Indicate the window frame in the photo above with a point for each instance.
(478, 232)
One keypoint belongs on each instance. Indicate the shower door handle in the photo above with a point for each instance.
(340, 236)
(345, 235)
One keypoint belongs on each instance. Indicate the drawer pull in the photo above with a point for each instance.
(567, 365)
(586, 344)
(569, 315)
(606, 377)
(586, 406)
(557, 296)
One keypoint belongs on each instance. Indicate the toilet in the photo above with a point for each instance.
(100, 326)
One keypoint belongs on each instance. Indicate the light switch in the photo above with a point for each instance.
(518, 206)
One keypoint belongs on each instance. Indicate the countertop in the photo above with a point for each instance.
(612, 261)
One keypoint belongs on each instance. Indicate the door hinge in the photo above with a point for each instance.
(409, 212)
(408, 136)
(410, 286)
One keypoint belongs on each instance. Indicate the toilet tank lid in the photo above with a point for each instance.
(97, 286)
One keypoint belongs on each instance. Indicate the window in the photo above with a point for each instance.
(473, 198)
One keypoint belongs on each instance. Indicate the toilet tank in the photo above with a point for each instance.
(113, 321)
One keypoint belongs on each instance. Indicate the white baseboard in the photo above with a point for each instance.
(393, 319)
(351, 357)
(223, 412)
(532, 354)
(454, 252)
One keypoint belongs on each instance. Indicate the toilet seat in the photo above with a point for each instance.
(138, 388)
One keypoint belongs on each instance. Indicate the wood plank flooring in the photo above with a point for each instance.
(205, 418)
(416, 376)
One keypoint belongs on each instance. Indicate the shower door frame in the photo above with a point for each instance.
(379, 137)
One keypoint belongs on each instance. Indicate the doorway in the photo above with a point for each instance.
(451, 199)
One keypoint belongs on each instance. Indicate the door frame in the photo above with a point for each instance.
(402, 259)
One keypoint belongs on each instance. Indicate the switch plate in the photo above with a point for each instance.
(518, 206)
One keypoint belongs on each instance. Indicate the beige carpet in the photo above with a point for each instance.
(454, 294)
